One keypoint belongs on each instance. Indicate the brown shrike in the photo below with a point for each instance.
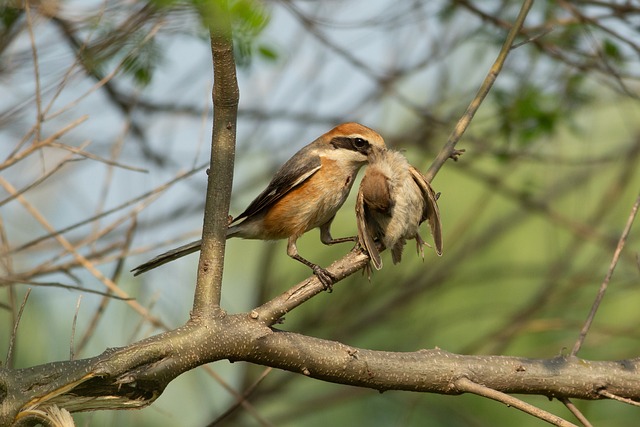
(305, 193)
(393, 200)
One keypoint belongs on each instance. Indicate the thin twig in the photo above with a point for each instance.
(575, 411)
(100, 310)
(81, 152)
(612, 396)
(17, 156)
(449, 148)
(465, 384)
(241, 400)
(63, 286)
(128, 203)
(80, 49)
(88, 265)
(107, 185)
(607, 278)
(72, 354)
(36, 70)
(138, 327)
(12, 340)
(63, 162)
(107, 78)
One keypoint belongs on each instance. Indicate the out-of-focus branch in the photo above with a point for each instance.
(605, 282)
(88, 265)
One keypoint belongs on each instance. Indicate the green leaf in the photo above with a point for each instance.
(528, 113)
(612, 51)
(141, 61)
(8, 16)
(267, 52)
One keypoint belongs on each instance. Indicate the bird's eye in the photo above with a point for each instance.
(359, 142)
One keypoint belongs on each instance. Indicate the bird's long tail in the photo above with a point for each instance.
(168, 256)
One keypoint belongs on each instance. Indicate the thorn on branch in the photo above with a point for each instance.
(455, 155)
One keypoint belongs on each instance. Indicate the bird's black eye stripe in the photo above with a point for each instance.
(354, 144)
(359, 142)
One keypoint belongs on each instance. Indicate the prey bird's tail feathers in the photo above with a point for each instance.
(364, 235)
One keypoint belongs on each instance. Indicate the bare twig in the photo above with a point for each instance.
(72, 353)
(63, 286)
(92, 156)
(607, 278)
(88, 265)
(36, 70)
(100, 310)
(135, 330)
(16, 157)
(152, 193)
(241, 400)
(12, 340)
(465, 384)
(575, 411)
(63, 162)
(612, 396)
(449, 148)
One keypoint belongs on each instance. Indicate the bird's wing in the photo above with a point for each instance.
(294, 172)
(372, 195)
(431, 211)
(364, 233)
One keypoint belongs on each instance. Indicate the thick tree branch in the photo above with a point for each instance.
(135, 376)
(225, 110)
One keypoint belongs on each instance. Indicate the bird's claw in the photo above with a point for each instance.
(327, 279)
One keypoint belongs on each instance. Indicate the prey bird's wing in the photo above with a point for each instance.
(294, 172)
(364, 233)
(373, 195)
(431, 211)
